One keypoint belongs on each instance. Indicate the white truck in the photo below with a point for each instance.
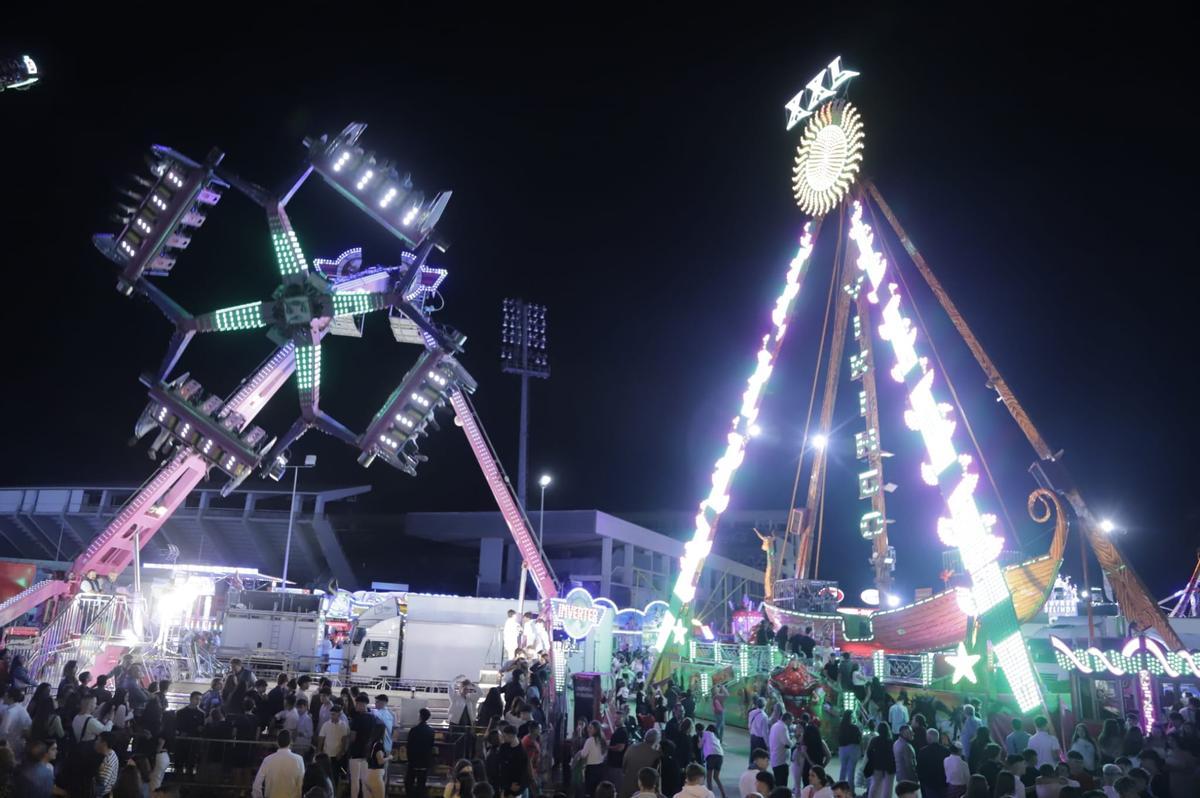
(428, 638)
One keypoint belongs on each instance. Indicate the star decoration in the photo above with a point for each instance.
(680, 632)
(963, 664)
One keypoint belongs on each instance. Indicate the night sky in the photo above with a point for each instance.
(637, 183)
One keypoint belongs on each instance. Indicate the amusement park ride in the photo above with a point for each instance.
(987, 610)
(200, 434)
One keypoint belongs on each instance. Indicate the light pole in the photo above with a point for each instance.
(543, 482)
(310, 461)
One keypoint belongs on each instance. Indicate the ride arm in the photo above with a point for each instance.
(510, 508)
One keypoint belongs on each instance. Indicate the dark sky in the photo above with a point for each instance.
(636, 180)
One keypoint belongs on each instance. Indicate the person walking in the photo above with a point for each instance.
(362, 726)
(420, 755)
(881, 763)
(720, 694)
(757, 723)
(931, 765)
(593, 755)
(639, 756)
(377, 764)
(849, 747)
(780, 744)
(905, 755)
(281, 775)
(714, 756)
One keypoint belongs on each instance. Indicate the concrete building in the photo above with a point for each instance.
(334, 537)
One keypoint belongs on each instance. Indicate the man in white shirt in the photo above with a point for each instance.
(281, 774)
(529, 635)
(85, 726)
(779, 745)
(898, 714)
(334, 737)
(16, 724)
(759, 760)
(302, 739)
(957, 773)
(970, 726)
(1045, 744)
(289, 717)
(757, 724)
(512, 634)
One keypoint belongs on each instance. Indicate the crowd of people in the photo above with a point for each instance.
(898, 753)
(115, 736)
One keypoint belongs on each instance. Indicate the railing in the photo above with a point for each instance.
(81, 631)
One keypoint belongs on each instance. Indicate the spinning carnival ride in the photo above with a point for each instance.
(198, 434)
(829, 188)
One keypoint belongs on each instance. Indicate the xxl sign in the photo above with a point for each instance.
(823, 87)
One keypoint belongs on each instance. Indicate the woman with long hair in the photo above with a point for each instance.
(377, 762)
(47, 725)
(117, 712)
(881, 763)
(1082, 742)
(68, 681)
(977, 755)
(41, 695)
(819, 784)
(461, 781)
(318, 776)
(18, 675)
(849, 747)
(493, 708)
(1110, 741)
(593, 754)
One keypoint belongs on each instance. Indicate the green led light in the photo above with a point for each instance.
(858, 365)
(862, 403)
(871, 524)
(353, 302)
(242, 317)
(308, 368)
(288, 253)
(868, 483)
(866, 443)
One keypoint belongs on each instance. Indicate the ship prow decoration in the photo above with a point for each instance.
(940, 620)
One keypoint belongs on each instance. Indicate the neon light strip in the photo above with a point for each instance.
(967, 529)
(1147, 688)
(735, 451)
(1138, 654)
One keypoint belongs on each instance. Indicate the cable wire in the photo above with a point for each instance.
(812, 397)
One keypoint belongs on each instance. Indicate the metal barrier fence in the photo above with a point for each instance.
(209, 766)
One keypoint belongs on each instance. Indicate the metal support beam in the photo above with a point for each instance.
(34, 534)
(606, 564)
(10, 537)
(78, 533)
(332, 551)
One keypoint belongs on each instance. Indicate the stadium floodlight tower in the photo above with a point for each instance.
(18, 73)
(523, 352)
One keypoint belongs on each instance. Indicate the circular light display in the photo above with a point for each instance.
(828, 158)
